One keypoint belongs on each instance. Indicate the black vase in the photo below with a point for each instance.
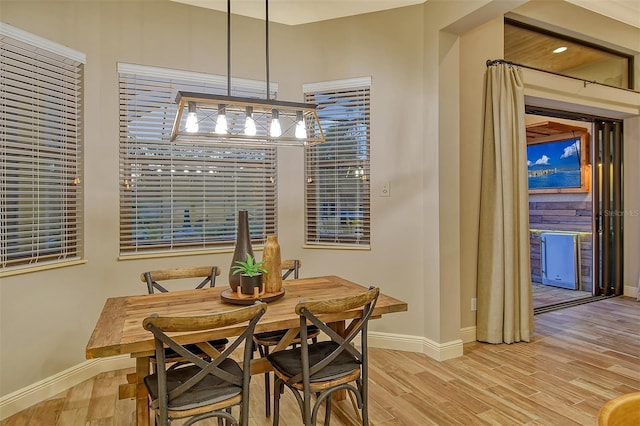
(243, 246)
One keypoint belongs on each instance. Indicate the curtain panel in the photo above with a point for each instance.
(505, 311)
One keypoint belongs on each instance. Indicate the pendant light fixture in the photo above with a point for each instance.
(205, 117)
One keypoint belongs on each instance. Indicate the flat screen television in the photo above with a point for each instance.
(555, 166)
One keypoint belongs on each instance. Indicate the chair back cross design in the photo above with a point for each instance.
(327, 366)
(203, 387)
(207, 273)
(291, 266)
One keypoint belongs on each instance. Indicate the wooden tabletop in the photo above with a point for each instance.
(119, 327)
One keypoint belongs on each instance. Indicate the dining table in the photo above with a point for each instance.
(119, 330)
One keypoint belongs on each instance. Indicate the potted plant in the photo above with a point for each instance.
(250, 273)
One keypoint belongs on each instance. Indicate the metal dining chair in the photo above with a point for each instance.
(203, 387)
(159, 280)
(325, 367)
(263, 341)
(207, 274)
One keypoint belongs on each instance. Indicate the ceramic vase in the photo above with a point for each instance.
(272, 280)
(243, 246)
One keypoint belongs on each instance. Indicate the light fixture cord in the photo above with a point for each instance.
(228, 47)
(266, 26)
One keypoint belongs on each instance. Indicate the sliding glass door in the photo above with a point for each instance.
(608, 209)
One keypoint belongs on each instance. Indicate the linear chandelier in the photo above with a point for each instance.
(219, 119)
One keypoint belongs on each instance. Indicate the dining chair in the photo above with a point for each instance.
(330, 365)
(207, 273)
(291, 266)
(263, 341)
(205, 276)
(623, 410)
(204, 387)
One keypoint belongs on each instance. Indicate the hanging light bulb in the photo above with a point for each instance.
(249, 123)
(275, 130)
(301, 130)
(191, 125)
(221, 122)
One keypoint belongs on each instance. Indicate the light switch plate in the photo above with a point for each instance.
(385, 190)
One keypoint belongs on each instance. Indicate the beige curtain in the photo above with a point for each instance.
(505, 312)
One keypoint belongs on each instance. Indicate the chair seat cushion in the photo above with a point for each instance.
(272, 338)
(210, 390)
(289, 362)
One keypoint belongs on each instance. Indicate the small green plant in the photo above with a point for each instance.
(249, 267)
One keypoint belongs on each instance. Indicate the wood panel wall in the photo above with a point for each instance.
(568, 216)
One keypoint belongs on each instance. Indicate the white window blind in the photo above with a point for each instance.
(337, 172)
(41, 91)
(177, 196)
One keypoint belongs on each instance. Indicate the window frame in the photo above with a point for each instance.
(630, 77)
(42, 88)
(212, 221)
(344, 219)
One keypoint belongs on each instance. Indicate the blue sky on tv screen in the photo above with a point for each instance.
(563, 155)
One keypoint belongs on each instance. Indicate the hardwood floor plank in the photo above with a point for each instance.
(20, 419)
(74, 416)
(577, 360)
(563, 408)
(77, 396)
(47, 412)
(103, 397)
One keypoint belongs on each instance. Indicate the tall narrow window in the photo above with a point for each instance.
(337, 172)
(177, 196)
(41, 144)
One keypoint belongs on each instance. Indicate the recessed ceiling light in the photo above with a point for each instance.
(560, 49)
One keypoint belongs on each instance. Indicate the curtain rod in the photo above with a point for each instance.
(491, 62)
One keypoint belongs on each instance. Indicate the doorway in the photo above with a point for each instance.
(584, 217)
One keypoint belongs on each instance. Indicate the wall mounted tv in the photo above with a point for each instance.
(557, 161)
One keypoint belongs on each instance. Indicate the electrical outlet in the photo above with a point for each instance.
(474, 304)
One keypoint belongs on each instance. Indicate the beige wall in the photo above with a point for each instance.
(426, 120)
(478, 45)
(631, 176)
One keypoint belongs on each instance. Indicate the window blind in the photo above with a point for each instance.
(337, 172)
(41, 217)
(177, 196)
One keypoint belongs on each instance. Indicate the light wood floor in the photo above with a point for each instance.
(578, 359)
(545, 295)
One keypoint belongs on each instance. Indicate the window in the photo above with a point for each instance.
(563, 55)
(184, 196)
(337, 171)
(41, 126)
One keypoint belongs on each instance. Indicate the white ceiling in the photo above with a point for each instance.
(294, 12)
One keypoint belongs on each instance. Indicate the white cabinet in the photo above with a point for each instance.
(559, 253)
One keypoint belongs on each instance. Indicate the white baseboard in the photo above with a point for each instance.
(468, 334)
(24, 398)
(399, 342)
(631, 290)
